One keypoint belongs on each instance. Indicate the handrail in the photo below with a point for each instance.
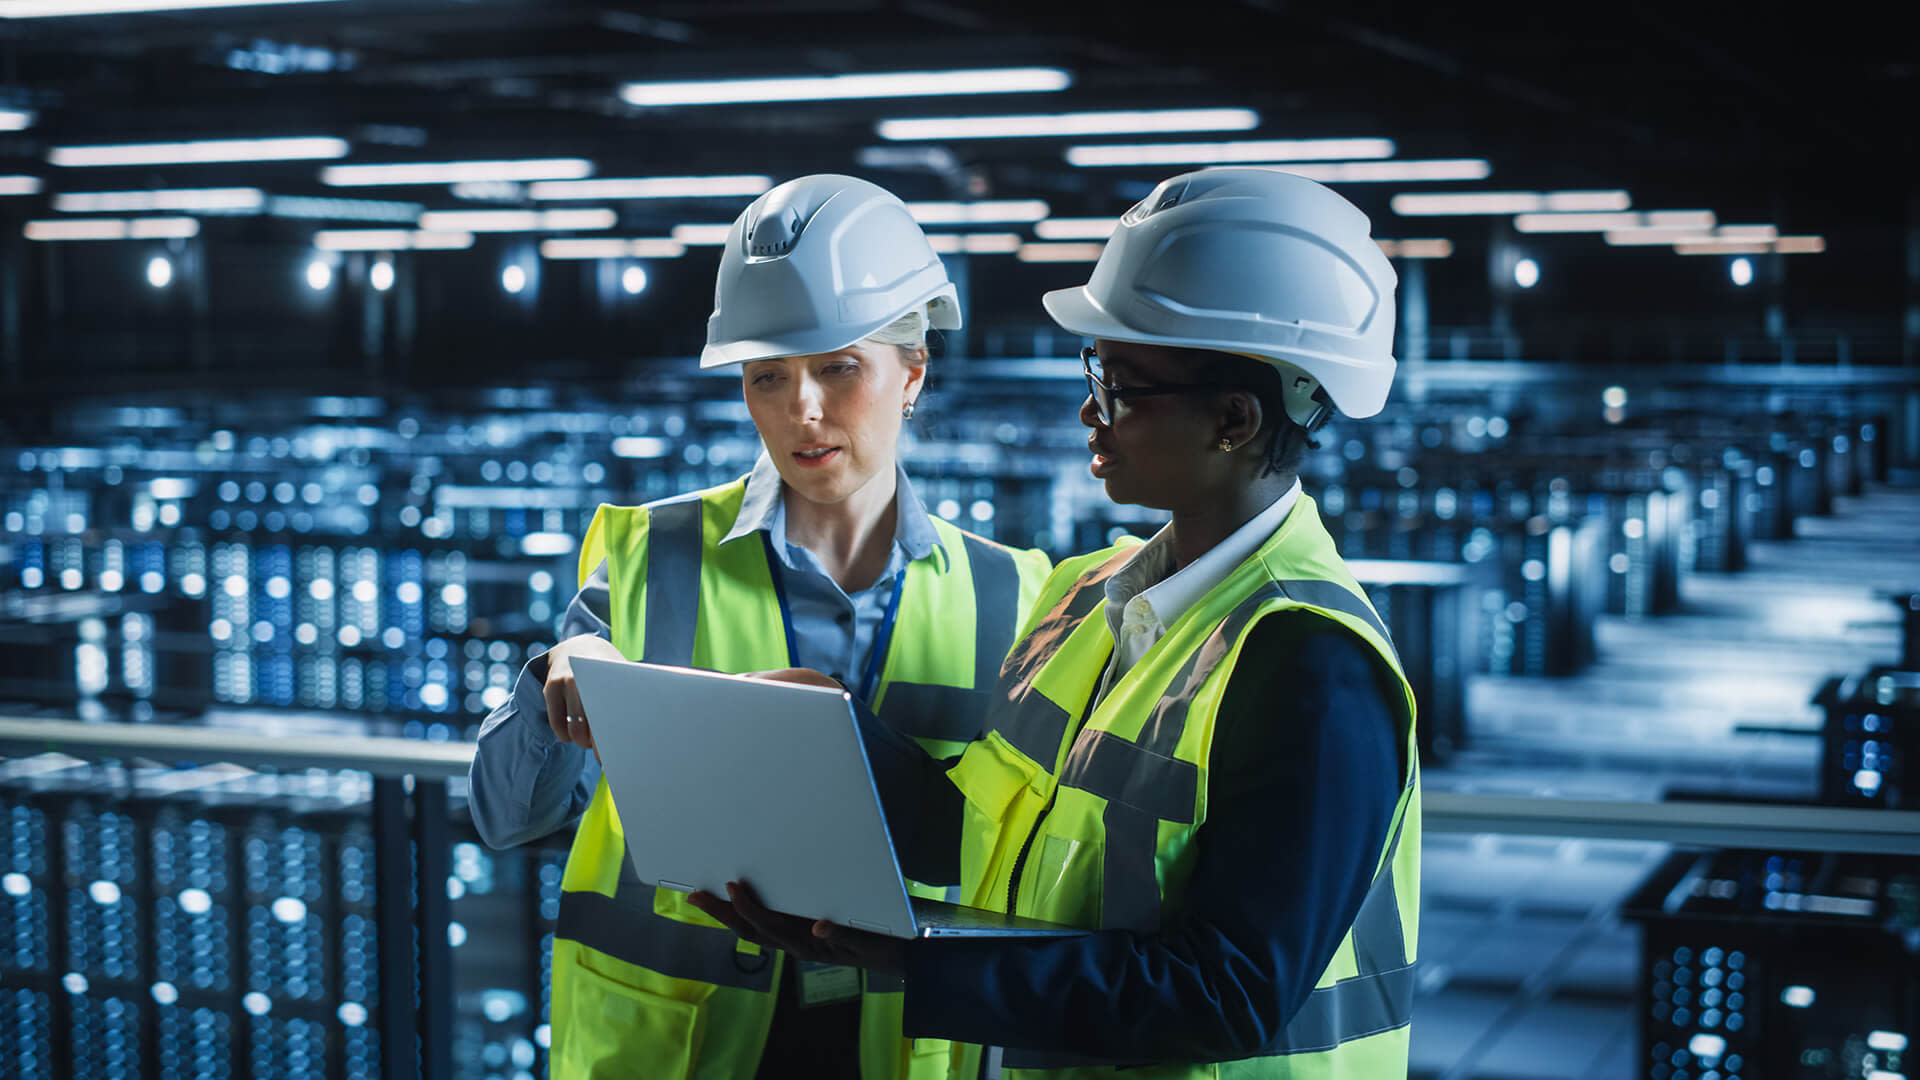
(1696, 824)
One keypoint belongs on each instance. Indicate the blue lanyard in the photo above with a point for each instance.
(882, 638)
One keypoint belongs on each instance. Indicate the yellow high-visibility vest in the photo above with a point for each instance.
(1106, 810)
(645, 984)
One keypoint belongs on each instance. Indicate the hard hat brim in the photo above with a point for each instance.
(1077, 312)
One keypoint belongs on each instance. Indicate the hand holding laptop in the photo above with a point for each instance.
(806, 939)
(565, 713)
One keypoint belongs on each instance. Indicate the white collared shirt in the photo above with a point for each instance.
(1145, 596)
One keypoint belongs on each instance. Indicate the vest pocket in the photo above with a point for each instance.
(991, 774)
(1065, 881)
(614, 1029)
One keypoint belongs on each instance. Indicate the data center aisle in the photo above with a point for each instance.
(1528, 970)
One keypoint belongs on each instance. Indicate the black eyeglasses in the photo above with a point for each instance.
(1104, 395)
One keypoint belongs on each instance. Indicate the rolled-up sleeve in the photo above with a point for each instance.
(1308, 765)
(524, 782)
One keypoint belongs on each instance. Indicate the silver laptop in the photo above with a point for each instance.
(723, 778)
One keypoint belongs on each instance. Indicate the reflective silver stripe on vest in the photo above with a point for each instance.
(934, 712)
(1032, 723)
(996, 607)
(625, 927)
(955, 713)
(668, 946)
(1334, 597)
(674, 542)
(1379, 997)
(1104, 764)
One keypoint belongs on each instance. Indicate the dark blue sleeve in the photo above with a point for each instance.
(921, 804)
(1306, 773)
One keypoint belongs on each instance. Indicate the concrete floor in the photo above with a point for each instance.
(1528, 970)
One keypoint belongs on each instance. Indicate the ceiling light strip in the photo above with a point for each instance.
(150, 228)
(1044, 125)
(1383, 172)
(237, 199)
(390, 240)
(644, 247)
(846, 87)
(456, 172)
(200, 152)
(652, 187)
(1423, 204)
(1219, 153)
(53, 9)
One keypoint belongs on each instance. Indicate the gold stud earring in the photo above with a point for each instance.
(1226, 445)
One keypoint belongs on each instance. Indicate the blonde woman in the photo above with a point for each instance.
(822, 557)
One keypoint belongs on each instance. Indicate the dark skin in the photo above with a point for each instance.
(1162, 452)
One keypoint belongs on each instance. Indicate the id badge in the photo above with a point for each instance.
(827, 984)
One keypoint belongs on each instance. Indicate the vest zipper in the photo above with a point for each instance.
(1020, 861)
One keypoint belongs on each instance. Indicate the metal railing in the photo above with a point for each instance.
(1697, 824)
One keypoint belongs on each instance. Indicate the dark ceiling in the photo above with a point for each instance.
(1795, 117)
(1756, 112)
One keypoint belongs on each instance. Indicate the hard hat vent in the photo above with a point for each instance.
(1165, 199)
(775, 232)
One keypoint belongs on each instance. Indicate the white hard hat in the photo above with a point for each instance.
(1251, 261)
(818, 263)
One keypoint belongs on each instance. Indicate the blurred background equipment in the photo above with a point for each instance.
(325, 326)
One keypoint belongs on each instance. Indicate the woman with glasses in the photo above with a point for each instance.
(822, 557)
(1201, 750)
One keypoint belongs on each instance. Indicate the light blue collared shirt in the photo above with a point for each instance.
(525, 782)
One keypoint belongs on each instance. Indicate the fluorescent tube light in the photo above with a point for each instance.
(19, 185)
(652, 187)
(152, 228)
(1654, 235)
(1800, 245)
(1053, 253)
(199, 199)
(1218, 153)
(297, 148)
(1379, 172)
(53, 9)
(1722, 247)
(1076, 123)
(1508, 202)
(390, 240)
(1439, 248)
(645, 247)
(455, 172)
(15, 119)
(323, 209)
(1766, 233)
(517, 220)
(987, 211)
(1605, 222)
(701, 235)
(1076, 228)
(975, 243)
(591, 248)
(843, 87)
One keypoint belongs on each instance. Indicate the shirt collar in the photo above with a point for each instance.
(1149, 575)
(763, 509)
